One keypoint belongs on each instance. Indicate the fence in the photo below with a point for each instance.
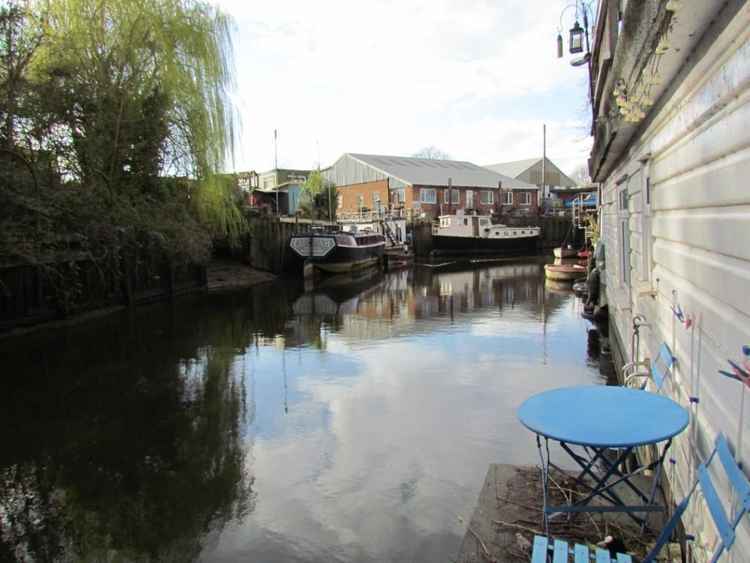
(73, 284)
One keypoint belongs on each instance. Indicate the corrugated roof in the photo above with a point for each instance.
(514, 168)
(429, 172)
(518, 167)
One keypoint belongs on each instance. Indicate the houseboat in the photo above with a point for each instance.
(470, 234)
(335, 252)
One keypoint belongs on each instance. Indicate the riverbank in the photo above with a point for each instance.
(220, 275)
(226, 274)
(508, 515)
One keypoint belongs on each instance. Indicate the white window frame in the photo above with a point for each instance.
(470, 201)
(424, 192)
(455, 196)
(508, 198)
(375, 200)
(339, 201)
(489, 195)
(525, 199)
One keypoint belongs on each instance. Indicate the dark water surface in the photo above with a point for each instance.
(352, 423)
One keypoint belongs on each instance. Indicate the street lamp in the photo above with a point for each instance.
(577, 34)
(576, 39)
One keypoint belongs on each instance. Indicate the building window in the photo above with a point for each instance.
(455, 196)
(427, 196)
(508, 198)
(398, 196)
(376, 200)
(360, 201)
(525, 198)
(339, 201)
(487, 197)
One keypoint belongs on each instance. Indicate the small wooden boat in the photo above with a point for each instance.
(564, 272)
(564, 252)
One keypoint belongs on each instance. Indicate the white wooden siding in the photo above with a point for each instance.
(692, 246)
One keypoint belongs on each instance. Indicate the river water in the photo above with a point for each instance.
(354, 422)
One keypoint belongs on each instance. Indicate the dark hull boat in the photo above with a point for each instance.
(471, 245)
(475, 234)
(336, 252)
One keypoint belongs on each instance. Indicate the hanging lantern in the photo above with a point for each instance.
(576, 39)
(559, 46)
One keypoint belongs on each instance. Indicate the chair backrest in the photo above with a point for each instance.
(662, 365)
(725, 525)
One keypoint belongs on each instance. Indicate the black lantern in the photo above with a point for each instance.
(576, 39)
(559, 46)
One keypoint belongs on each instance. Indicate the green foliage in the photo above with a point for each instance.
(318, 197)
(114, 122)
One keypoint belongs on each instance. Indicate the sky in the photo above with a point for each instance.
(474, 78)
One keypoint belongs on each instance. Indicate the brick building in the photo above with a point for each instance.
(425, 187)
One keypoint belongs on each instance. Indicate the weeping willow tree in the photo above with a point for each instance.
(136, 90)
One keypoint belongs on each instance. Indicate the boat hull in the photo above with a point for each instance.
(476, 245)
(334, 258)
(561, 252)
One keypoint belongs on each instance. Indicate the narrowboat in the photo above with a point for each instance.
(335, 252)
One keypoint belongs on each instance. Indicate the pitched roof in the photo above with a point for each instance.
(429, 172)
(518, 167)
(514, 168)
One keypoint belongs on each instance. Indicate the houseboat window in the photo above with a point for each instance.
(508, 198)
(525, 198)
(427, 196)
(484, 222)
(466, 221)
(487, 197)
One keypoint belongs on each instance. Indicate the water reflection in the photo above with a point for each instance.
(350, 422)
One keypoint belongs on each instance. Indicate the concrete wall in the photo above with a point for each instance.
(675, 221)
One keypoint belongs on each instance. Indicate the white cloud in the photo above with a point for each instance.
(390, 77)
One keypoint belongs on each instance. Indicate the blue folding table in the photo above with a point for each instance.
(600, 418)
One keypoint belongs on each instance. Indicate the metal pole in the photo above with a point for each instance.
(276, 168)
(450, 195)
(544, 157)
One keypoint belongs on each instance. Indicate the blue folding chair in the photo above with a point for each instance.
(660, 369)
(558, 551)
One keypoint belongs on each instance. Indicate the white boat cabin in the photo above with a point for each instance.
(478, 226)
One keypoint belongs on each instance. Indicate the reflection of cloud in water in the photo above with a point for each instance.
(405, 445)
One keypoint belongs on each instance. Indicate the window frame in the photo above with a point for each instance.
(525, 199)
(490, 196)
(425, 191)
(508, 197)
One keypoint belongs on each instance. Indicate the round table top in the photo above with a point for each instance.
(603, 416)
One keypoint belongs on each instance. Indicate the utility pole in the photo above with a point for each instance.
(450, 195)
(276, 167)
(544, 158)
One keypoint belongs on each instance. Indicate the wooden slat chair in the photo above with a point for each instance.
(558, 551)
(660, 369)
(561, 552)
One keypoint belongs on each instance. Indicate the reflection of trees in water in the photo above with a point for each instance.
(124, 440)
